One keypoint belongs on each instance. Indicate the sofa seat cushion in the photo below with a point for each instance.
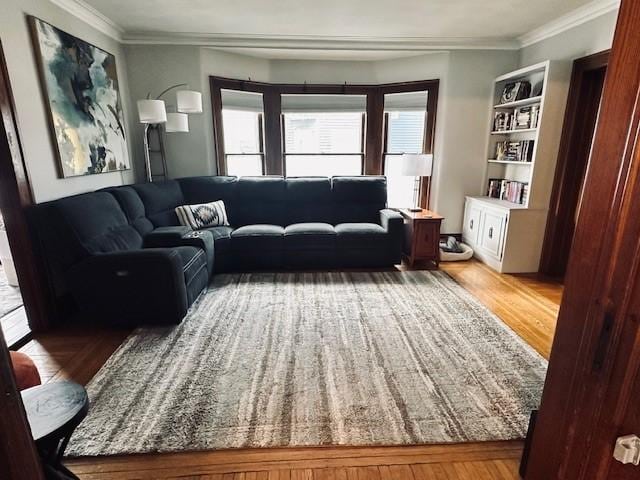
(194, 262)
(259, 236)
(303, 236)
(361, 235)
(221, 235)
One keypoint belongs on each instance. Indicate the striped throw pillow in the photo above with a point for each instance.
(203, 215)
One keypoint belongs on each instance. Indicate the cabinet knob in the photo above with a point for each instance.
(471, 224)
(490, 232)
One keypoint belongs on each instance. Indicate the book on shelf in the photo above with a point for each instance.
(521, 118)
(514, 151)
(526, 117)
(502, 121)
(509, 190)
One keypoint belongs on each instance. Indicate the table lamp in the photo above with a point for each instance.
(416, 165)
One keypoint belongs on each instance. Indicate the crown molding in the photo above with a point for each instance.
(310, 42)
(101, 22)
(93, 17)
(572, 19)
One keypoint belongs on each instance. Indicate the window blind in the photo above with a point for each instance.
(323, 103)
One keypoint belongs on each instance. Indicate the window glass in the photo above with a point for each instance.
(405, 117)
(242, 127)
(323, 134)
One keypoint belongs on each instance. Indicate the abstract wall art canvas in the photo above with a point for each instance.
(85, 108)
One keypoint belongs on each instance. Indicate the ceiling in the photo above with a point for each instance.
(276, 27)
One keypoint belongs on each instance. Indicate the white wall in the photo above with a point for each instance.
(38, 149)
(461, 125)
(590, 37)
(222, 64)
(153, 69)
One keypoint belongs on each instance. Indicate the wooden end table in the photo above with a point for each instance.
(54, 411)
(422, 237)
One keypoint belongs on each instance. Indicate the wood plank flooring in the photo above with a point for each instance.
(527, 303)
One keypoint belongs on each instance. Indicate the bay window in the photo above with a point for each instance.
(325, 130)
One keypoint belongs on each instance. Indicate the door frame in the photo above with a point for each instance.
(595, 357)
(556, 240)
(15, 197)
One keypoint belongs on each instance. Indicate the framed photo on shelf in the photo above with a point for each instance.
(514, 91)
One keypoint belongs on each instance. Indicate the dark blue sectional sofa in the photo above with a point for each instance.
(119, 255)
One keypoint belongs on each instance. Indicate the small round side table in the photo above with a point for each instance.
(54, 411)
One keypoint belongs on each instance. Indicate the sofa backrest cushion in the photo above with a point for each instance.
(160, 200)
(132, 205)
(197, 190)
(358, 199)
(308, 199)
(258, 200)
(99, 223)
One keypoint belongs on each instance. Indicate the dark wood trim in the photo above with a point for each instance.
(15, 197)
(273, 138)
(19, 457)
(373, 150)
(218, 134)
(590, 394)
(577, 133)
(274, 130)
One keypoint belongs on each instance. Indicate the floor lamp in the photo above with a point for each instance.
(152, 113)
(417, 165)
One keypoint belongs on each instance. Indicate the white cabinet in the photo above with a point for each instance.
(505, 236)
(471, 223)
(494, 225)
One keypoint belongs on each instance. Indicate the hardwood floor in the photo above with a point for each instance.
(527, 303)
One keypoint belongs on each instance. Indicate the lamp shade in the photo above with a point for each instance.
(177, 122)
(417, 165)
(189, 101)
(152, 111)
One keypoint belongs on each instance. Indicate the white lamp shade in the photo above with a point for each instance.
(177, 122)
(189, 101)
(152, 111)
(417, 165)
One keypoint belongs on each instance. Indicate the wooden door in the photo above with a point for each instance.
(583, 105)
(15, 195)
(18, 456)
(592, 391)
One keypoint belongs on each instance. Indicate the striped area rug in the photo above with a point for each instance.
(292, 359)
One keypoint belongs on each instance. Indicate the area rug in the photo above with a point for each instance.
(10, 298)
(292, 359)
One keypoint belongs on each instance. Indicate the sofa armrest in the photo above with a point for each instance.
(391, 220)
(167, 237)
(131, 287)
(393, 223)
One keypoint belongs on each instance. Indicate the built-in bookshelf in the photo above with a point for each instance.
(505, 224)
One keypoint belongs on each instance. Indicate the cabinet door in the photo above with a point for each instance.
(427, 241)
(471, 227)
(493, 229)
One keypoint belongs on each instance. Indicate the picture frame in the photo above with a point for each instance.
(83, 102)
(514, 91)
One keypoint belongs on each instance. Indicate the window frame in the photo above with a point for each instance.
(361, 153)
(261, 140)
(374, 129)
